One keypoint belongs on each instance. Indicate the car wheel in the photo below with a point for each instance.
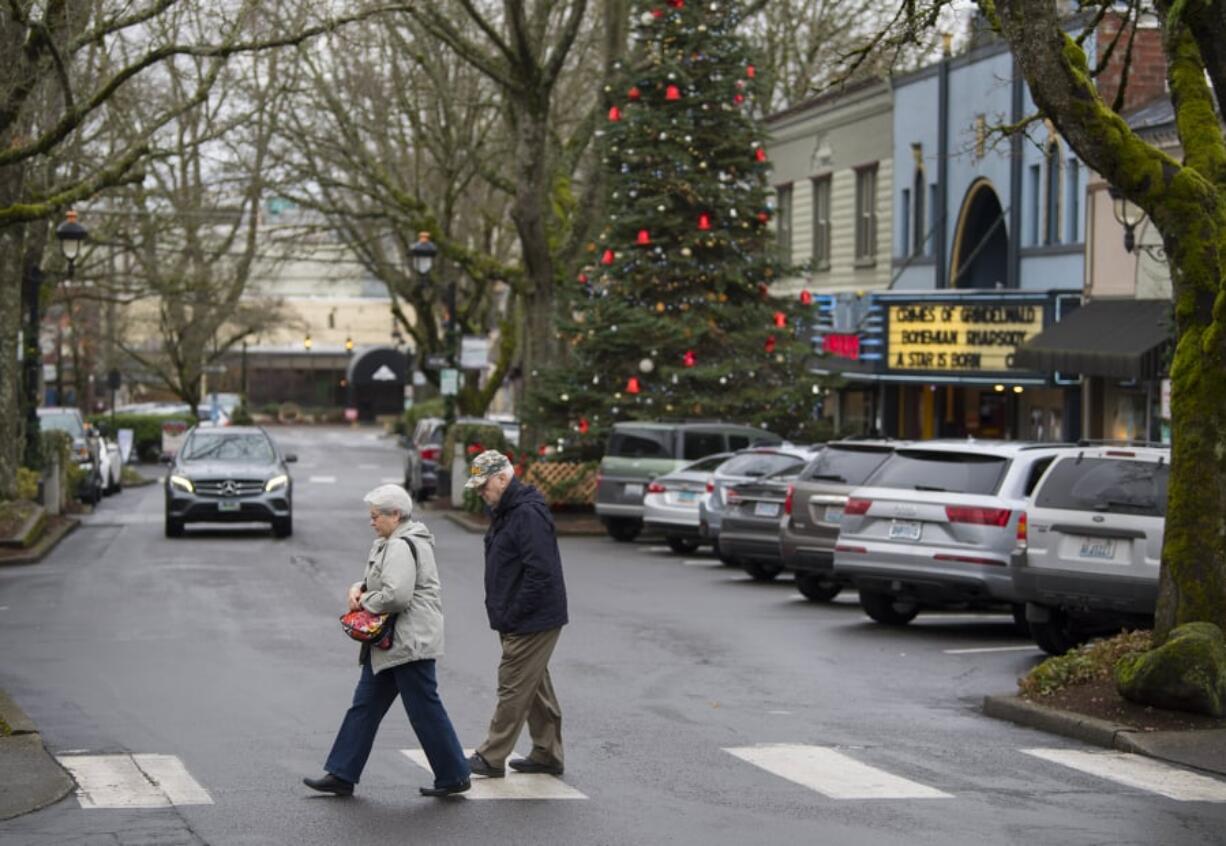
(174, 528)
(283, 527)
(761, 572)
(623, 530)
(1057, 635)
(887, 609)
(681, 546)
(727, 558)
(817, 589)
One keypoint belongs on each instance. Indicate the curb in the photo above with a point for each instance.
(30, 778)
(58, 530)
(1199, 750)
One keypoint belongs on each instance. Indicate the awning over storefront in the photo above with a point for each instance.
(1124, 339)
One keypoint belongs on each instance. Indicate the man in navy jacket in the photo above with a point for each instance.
(525, 598)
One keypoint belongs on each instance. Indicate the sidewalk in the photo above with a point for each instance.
(29, 777)
(1202, 750)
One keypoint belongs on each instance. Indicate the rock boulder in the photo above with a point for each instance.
(1187, 673)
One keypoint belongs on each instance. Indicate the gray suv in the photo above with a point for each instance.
(234, 474)
(638, 452)
(1088, 560)
(936, 524)
(814, 510)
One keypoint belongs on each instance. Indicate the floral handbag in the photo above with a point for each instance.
(367, 627)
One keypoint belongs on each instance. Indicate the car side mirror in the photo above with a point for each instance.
(290, 457)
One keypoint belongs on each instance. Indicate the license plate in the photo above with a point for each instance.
(229, 505)
(1101, 548)
(687, 496)
(905, 530)
(834, 514)
(766, 509)
(634, 490)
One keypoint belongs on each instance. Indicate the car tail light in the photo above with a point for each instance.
(856, 507)
(843, 547)
(431, 453)
(978, 516)
(656, 487)
(787, 500)
(1023, 527)
(710, 486)
(967, 559)
(732, 496)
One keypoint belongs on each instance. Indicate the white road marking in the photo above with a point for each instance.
(168, 773)
(514, 786)
(659, 549)
(703, 562)
(322, 480)
(1139, 772)
(133, 781)
(981, 649)
(832, 773)
(391, 480)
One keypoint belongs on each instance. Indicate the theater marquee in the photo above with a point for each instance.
(966, 337)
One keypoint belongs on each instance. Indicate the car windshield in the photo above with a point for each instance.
(250, 448)
(59, 421)
(755, 464)
(955, 472)
(845, 465)
(639, 443)
(1106, 484)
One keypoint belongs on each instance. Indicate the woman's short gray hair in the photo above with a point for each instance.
(389, 498)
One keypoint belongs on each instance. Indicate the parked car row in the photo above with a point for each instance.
(1066, 537)
(94, 451)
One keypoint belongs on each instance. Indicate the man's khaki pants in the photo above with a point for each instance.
(525, 693)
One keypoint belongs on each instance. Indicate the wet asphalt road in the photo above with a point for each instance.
(222, 649)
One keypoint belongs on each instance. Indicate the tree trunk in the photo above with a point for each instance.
(11, 252)
(540, 346)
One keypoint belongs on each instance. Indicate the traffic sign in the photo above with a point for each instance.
(449, 382)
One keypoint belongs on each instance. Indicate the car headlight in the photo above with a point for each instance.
(183, 483)
(276, 482)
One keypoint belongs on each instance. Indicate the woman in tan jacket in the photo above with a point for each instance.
(402, 579)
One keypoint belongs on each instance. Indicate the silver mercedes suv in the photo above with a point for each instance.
(234, 474)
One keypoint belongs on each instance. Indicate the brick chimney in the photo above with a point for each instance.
(1147, 71)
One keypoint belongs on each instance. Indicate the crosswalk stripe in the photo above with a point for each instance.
(168, 773)
(832, 773)
(322, 480)
(702, 562)
(513, 786)
(133, 781)
(1139, 772)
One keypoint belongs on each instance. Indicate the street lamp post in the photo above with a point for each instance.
(1129, 215)
(71, 236)
(424, 252)
(307, 343)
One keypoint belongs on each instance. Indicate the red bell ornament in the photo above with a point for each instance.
(760, 154)
(751, 71)
(806, 298)
(769, 346)
(704, 221)
(781, 319)
(632, 385)
(738, 98)
(634, 93)
(582, 278)
(672, 92)
(584, 426)
(607, 257)
(677, 4)
(615, 114)
(688, 359)
(644, 239)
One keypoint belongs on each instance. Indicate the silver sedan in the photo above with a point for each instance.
(671, 503)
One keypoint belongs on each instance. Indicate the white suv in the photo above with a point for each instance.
(1089, 560)
(935, 525)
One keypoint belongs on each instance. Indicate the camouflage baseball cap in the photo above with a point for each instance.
(486, 465)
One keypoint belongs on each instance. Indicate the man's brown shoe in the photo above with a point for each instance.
(527, 765)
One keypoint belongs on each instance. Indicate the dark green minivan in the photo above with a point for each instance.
(637, 452)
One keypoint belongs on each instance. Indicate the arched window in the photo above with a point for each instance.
(919, 219)
(1051, 223)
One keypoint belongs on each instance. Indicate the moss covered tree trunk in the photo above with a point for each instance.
(1185, 201)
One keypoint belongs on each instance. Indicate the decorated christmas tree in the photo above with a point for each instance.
(672, 318)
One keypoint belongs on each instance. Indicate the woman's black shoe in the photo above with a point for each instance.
(446, 791)
(330, 784)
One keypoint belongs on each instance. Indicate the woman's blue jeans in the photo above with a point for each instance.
(417, 686)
